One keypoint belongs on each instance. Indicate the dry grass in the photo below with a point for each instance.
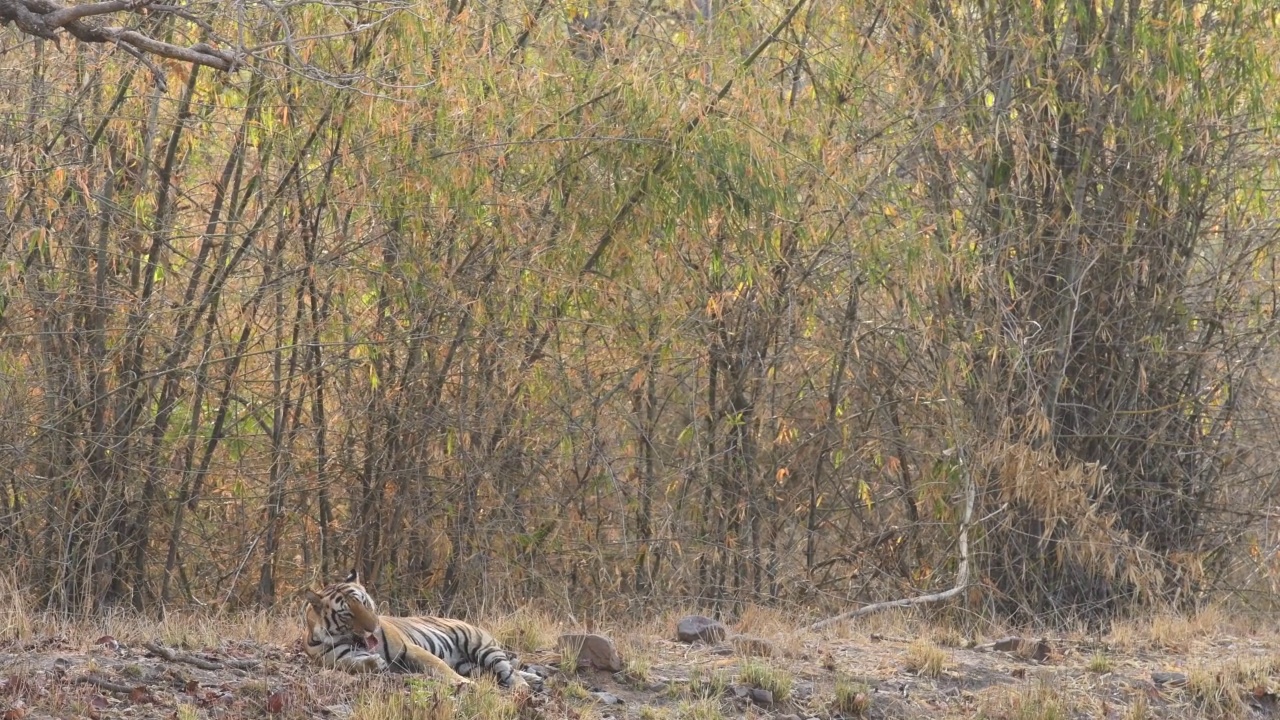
(526, 631)
(947, 636)
(1099, 664)
(1080, 681)
(15, 620)
(776, 626)
(852, 699)
(704, 709)
(1172, 632)
(706, 685)
(1040, 701)
(766, 676)
(570, 656)
(427, 699)
(926, 659)
(376, 705)
(638, 663)
(1138, 709)
(1214, 692)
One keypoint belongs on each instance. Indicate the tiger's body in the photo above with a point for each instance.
(344, 631)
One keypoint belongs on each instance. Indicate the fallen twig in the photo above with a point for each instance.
(156, 648)
(108, 685)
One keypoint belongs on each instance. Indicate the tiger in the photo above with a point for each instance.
(345, 631)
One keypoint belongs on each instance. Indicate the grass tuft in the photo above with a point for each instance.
(1139, 710)
(1042, 701)
(765, 676)
(412, 705)
(15, 621)
(712, 685)
(852, 698)
(1214, 693)
(704, 709)
(926, 659)
(485, 700)
(526, 631)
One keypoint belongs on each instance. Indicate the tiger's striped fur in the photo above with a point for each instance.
(346, 632)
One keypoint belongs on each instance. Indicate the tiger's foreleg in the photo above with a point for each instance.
(356, 662)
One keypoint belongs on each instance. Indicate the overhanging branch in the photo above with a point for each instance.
(45, 18)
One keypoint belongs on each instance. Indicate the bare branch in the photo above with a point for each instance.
(58, 18)
(44, 18)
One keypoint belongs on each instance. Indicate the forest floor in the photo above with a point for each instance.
(1206, 666)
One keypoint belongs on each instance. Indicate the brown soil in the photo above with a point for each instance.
(1186, 673)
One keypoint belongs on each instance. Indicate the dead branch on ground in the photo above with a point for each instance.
(962, 573)
(203, 663)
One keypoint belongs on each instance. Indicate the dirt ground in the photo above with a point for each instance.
(1160, 668)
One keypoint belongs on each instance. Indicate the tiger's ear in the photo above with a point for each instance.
(316, 601)
(353, 577)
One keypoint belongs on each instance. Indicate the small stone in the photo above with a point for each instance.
(761, 697)
(606, 698)
(751, 646)
(1009, 644)
(594, 651)
(698, 628)
(1172, 679)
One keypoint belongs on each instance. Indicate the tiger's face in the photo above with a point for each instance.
(344, 610)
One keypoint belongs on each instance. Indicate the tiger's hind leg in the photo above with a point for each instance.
(432, 665)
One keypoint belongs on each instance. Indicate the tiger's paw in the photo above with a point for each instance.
(370, 664)
(460, 683)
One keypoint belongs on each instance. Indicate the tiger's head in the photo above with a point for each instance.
(344, 611)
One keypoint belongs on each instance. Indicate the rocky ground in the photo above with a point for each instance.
(1175, 668)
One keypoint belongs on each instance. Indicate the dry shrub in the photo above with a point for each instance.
(15, 621)
(1053, 540)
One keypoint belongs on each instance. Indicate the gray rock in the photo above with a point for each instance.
(698, 628)
(1172, 679)
(761, 697)
(594, 651)
(606, 698)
